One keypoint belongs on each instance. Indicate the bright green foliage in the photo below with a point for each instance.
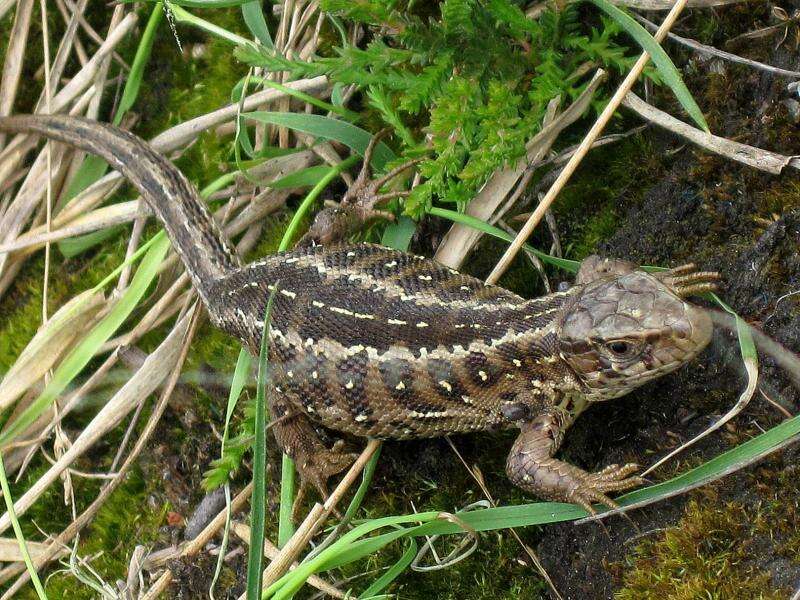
(470, 80)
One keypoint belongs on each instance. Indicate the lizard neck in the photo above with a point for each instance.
(195, 236)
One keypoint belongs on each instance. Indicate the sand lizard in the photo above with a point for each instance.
(380, 343)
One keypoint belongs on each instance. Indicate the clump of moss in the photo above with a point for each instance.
(720, 549)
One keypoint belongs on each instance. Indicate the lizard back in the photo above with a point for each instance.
(382, 343)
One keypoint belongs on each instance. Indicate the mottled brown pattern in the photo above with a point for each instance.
(380, 343)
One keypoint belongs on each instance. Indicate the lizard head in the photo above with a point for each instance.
(623, 331)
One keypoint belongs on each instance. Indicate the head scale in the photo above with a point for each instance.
(624, 331)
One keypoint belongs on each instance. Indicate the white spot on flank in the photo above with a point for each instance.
(349, 384)
(361, 418)
(289, 294)
(483, 375)
(464, 288)
(317, 303)
(425, 277)
(310, 342)
(351, 254)
(397, 322)
(391, 264)
(289, 374)
(460, 326)
(422, 324)
(400, 386)
(314, 374)
(476, 326)
(446, 386)
(291, 260)
(517, 362)
(467, 400)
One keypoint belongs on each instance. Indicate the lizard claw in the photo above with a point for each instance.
(315, 470)
(588, 488)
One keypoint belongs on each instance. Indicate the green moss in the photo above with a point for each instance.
(721, 549)
(589, 207)
(125, 521)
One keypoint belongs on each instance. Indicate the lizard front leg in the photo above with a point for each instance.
(531, 466)
(297, 438)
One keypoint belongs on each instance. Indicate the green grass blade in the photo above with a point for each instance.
(73, 246)
(253, 17)
(398, 235)
(255, 556)
(302, 178)
(393, 573)
(660, 59)
(470, 221)
(23, 545)
(80, 356)
(240, 375)
(184, 16)
(314, 101)
(310, 198)
(285, 522)
(327, 128)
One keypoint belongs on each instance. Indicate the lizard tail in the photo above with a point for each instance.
(194, 234)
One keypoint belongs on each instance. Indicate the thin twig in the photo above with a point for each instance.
(583, 149)
(711, 51)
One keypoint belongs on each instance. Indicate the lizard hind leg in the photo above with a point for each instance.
(531, 466)
(297, 438)
(360, 204)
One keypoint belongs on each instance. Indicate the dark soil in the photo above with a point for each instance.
(746, 225)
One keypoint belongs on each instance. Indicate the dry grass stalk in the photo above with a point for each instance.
(15, 51)
(583, 148)
(271, 551)
(9, 550)
(763, 160)
(191, 317)
(142, 383)
(315, 520)
(710, 51)
(48, 345)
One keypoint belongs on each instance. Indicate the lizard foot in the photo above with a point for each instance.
(359, 204)
(316, 468)
(587, 488)
(532, 467)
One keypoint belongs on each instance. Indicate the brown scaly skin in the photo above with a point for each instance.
(383, 344)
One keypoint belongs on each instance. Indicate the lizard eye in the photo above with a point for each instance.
(621, 348)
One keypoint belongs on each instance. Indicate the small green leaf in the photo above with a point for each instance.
(328, 129)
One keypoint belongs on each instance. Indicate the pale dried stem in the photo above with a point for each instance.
(583, 149)
(763, 160)
(142, 383)
(141, 441)
(48, 98)
(9, 159)
(272, 552)
(705, 50)
(315, 519)
(80, 51)
(14, 58)
(93, 35)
